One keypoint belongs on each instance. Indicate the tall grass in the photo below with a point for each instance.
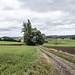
(42, 66)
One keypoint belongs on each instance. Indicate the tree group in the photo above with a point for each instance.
(6, 38)
(32, 36)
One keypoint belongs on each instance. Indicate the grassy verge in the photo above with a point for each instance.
(42, 66)
(17, 60)
(62, 55)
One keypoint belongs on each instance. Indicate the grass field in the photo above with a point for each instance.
(7, 42)
(16, 59)
(24, 60)
(61, 42)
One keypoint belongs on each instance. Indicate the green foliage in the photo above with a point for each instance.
(32, 36)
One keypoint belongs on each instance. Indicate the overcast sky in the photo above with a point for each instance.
(51, 17)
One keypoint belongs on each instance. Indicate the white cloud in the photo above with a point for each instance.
(12, 15)
(9, 3)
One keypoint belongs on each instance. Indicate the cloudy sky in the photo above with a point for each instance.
(51, 17)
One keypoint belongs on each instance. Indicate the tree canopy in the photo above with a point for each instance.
(32, 36)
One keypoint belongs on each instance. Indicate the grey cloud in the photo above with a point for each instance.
(36, 5)
(9, 29)
(50, 28)
(11, 19)
(46, 25)
(45, 5)
(4, 29)
(7, 8)
(54, 5)
(58, 31)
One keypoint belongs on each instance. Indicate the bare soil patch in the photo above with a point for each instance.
(64, 49)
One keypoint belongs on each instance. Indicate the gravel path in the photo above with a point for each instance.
(62, 68)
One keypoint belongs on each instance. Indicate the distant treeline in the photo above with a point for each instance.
(9, 39)
(62, 37)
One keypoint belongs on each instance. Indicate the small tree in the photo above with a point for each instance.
(32, 36)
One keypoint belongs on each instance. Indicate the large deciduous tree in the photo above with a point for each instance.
(32, 36)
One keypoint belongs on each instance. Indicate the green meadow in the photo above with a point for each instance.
(61, 42)
(24, 60)
(17, 59)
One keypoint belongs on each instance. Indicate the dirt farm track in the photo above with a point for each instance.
(64, 49)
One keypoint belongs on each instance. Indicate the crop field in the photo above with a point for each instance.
(24, 60)
(60, 42)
